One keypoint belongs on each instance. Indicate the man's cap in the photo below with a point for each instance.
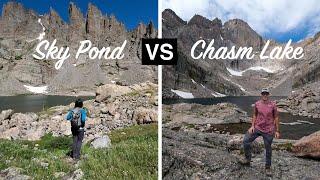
(265, 90)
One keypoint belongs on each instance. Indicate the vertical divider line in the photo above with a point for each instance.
(159, 96)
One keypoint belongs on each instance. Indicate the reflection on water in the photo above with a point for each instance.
(290, 129)
(35, 103)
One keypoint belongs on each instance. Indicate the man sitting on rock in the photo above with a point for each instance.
(265, 123)
(77, 116)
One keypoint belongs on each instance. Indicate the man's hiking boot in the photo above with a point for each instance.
(244, 162)
(268, 171)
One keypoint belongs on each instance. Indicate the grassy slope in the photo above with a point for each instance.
(133, 156)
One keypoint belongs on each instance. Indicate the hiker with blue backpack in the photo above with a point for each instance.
(77, 116)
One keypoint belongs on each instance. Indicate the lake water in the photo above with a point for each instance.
(300, 126)
(35, 103)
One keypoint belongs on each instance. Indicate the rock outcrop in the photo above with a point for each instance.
(303, 102)
(203, 116)
(308, 146)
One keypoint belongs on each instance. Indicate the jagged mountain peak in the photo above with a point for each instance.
(15, 11)
(145, 30)
(93, 9)
(237, 21)
(200, 21)
(74, 12)
(239, 32)
(53, 14)
(172, 18)
(217, 21)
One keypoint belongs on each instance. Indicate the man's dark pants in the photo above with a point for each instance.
(77, 143)
(267, 139)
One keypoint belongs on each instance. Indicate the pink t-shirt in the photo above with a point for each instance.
(265, 116)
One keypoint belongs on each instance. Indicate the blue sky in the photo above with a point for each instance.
(272, 19)
(130, 12)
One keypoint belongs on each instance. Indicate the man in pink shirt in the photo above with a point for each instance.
(265, 123)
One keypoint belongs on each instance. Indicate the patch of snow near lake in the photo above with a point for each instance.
(305, 122)
(298, 122)
(37, 90)
(185, 95)
(291, 123)
(216, 94)
(234, 73)
(254, 68)
(242, 89)
(113, 82)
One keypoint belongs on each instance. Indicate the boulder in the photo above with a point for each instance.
(182, 107)
(101, 142)
(143, 115)
(5, 114)
(108, 91)
(235, 142)
(13, 173)
(27, 117)
(144, 86)
(65, 128)
(110, 108)
(92, 122)
(34, 134)
(76, 175)
(59, 175)
(12, 133)
(308, 146)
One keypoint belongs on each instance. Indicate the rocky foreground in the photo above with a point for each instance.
(191, 152)
(114, 107)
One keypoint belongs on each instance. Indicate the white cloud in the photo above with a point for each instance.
(264, 16)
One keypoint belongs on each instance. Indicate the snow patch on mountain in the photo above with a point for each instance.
(37, 90)
(254, 68)
(185, 95)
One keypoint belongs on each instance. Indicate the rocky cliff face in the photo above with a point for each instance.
(21, 29)
(204, 78)
(307, 70)
(214, 78)
(240, 33)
